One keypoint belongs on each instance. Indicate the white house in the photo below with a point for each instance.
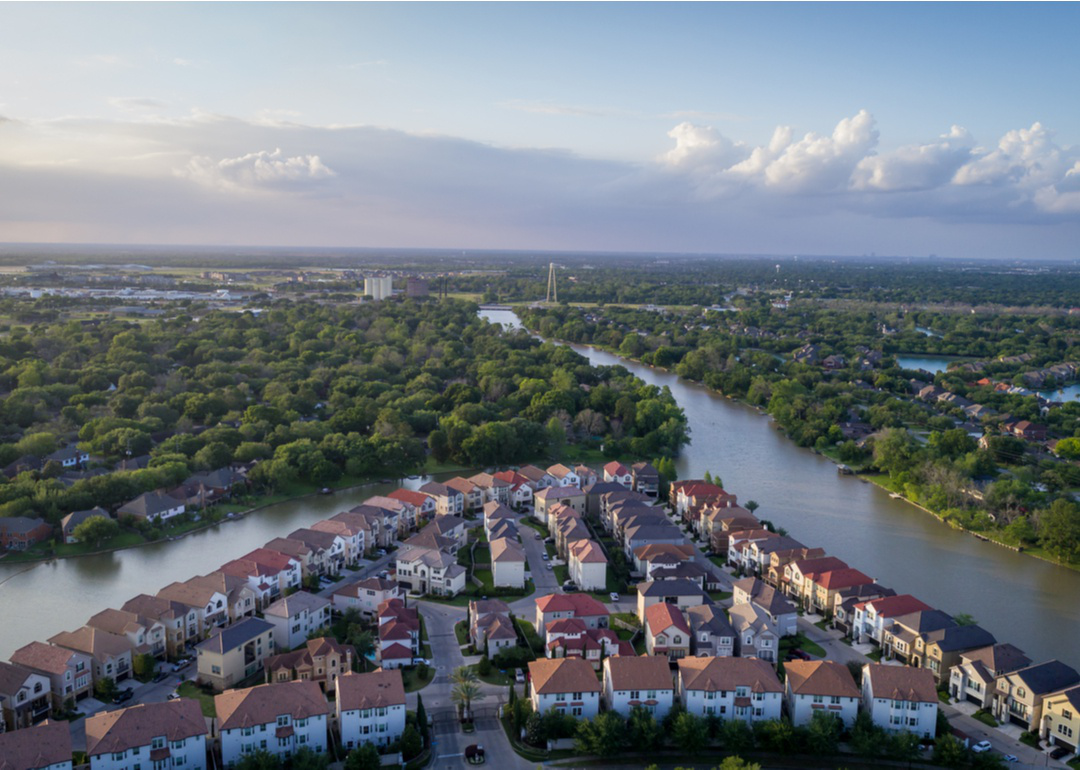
(559, 606)
(730, 688)
(156, 736)
(294, 617)
(279, 718)
(900, 698)
(152, 506)
(565, 476)
(820, 685)
(490, 625)
(568, 685)
(507, 563)
(873, 618)
(371, 708)
(755, 634)
(618, 473)
(366, 595)
(44, 747)
(644, 681)
(587, 564)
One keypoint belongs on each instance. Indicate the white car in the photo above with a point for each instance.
(981, 746)
(519, 677)
(613, 596)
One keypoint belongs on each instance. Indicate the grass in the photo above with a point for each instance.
(986, 718)
(495, 677)
(412, 679)
(719, 561)
(461, 631)
(874, 655)
(206, 702)
(535, 525)
(529, 632)
(1029, 739)
(823, 624)
(562, 573)
(719, 596)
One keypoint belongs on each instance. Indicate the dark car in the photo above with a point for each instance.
(1059, 752)
(124, 695)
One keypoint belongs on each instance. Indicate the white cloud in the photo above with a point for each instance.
(1025, 156)
(256, 170)
(916, 166)
(818, 163)
(137, 103)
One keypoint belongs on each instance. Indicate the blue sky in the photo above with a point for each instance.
(816, 128)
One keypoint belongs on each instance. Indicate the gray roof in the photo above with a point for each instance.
(1048, 677)
(229, 638)
(925, 621)
(956, 638)
(711, 618)
(669, 588)
(654, 533)
(19, 524)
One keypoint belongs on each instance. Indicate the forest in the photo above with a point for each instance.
(311, 391)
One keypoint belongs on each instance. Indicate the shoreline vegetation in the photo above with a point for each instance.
(878, 479)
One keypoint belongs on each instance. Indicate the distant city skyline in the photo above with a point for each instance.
(827, 128)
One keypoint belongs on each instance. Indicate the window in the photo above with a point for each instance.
(215, 669)
(835, 700)
(577, 696)
(1066, 731)
(1066, 714)
(158, 742)
(635, 694)
(819, 699)
(576, 711)
(283, 720)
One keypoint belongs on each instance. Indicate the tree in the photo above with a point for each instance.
(439, 446)
(736, 763)
(823, 733)
(948, 751)
(603, 735)
(143, 666)
(307, 759)
(1059, 530)
(643, 733)
(411, 742)
(364, 757)
(362, 640)
(1069, 448)
(867, 739)
(466, 690)
(96, 530)
(690, 733)
(903, 746)
(534, 730)
(259, 760)
(964, 619)
(421, 716)
(105, 689)
(752, 505)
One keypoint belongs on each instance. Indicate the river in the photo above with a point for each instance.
(1020, 599)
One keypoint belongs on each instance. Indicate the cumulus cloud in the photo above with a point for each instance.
(256, 170)
(915, 166)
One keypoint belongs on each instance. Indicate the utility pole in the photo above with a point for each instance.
(552, 287)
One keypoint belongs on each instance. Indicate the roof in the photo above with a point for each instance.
(580, 604)
(669, 588)
(841, 578)
(652, 550)
(697, 488)
(496, 510)
(396, 650)
(820, 677)
(751, 616)
(900, 682)
(586, 552)
(74, 519)
(150, 504)
(379, 689)
(306, 655)
(36, 747)
(554, 493)
(824, 564)
(42, 657)
(532, 473)
(444, 524)
(560, 471)
(92, 641)
(409, 496)
(504, 549)
(13, 677)
(661, 616)
(156, 607)
(561, 675)
(484, 606)
(222, 640)
(461, 485)
(956, 638)
(118, 622)
(1000, 658)
(894, 606)
(374, 584)
(711, 618)
(313, 537)
(1047, 677)
(20, 524)
(264, 703)
(116, 731)
(290, 605)
(497, 626)
(766, 597)
(639, 673)
(725, 674)
(925, 621)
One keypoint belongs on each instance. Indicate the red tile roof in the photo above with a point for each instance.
(580, 604)
(661, 616)
(894, 606)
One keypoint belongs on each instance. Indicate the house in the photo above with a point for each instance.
(1029, 431)
(490, 626)
(594, 492)
(152, 735)
(423, 504)
(616, 472)
(146, 636)
(681, 593)
(111, 653)
(296, 617)
(646, 479)
(278, 718)
(400, 515)
(564, 476)
(793, 581)
(974, 678)
(69, 457)
(507, 563)
(666, 631)
(546, 498)
(373, 521)
(755, 633)
(623, 498)
(711, 634)
(69, 672)
(900, 638)
(718, 525)
(586, 475)
(1061, 719)
(268, 573)
(152, 506)
(453, 527)
(873, 618)
(356, 534)
(220, 598)
(638, 534)
(181, 622)
(571, 638)
(822, 587)
(70, 523)
(432, 568)
(371, 708)
(328, 550)
(45, 747)
(847, 599)
(900, 699)
(18, 533)
(587, 564)
(567, 685)
(1020, 693)
(448, 501)
(494, 489)
(472, 494)
(366, 595)
(521, 491)
(495, 512)
(940, 650)
(730, 688)
(820, 685)
(662, 554)
(559, 606)
(398, 634)
(781, 611)
(232, 654)
(537, 477)
(25, 696)
(320, 660)
(638, 681)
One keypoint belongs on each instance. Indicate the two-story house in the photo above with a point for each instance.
(234, 653)
(398, 634)
(558, 606)
(567, 685)
(366, 595)
(44, 747)
(430, 569)
(730, 688)
(681, 593)
(820, 685)
(507, 563)
(587, 565)
(181, 621)
(666, 631)
(711, 634)
(900, 699)
(974, 678)
(619, 474)
(296, 617)
(781, 611)
(755, 633)
(873, 618)
(111, 654)
(160, 736)
(473, 496)
(547, 498)
(1061, 719)
(70, 672)
(490, 626)
(25, 696)
(278, 718)
(1020, 694)
(448, 501)
(321, 660)
(371, 708)
(631, 681)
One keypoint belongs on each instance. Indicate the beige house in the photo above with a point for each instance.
(507, 563)
(146, 636)
(321, 660)
(111, 653)
(1061, 718)
(181, 621)
(69, 672)
(366, 595)
(588, 565)
(546, 498)
(235, 653)
(1020, 694)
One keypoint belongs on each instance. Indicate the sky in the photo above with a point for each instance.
(816, 128)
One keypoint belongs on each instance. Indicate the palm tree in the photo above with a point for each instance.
(466, 690)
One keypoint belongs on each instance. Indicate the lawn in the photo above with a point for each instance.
(122, 540)
(562, 573)
(535, 525)
(411, 677)
(206, 702)
(985, 717)
(495, 677)
(461, 630)
(719, 596)
(529, 632)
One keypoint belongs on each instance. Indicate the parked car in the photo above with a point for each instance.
(981, 746)
(1010, 758)
(613, 596)
(548, 565)
(546, 557)
(1059, 752)
(519, 676)
(801, 654)
(123, 695)
(570, 588)
(181, 664)
(381, 552)
(173, 695)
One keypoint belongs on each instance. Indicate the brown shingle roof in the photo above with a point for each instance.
(504, 549)
(901, 682)
(264, 703)
(93, 642)
(562, 675)
(43, 657)
(713, 674)
(820, 677)
(639, 673)
(36, 747)
(378, 689)
(125, 729)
